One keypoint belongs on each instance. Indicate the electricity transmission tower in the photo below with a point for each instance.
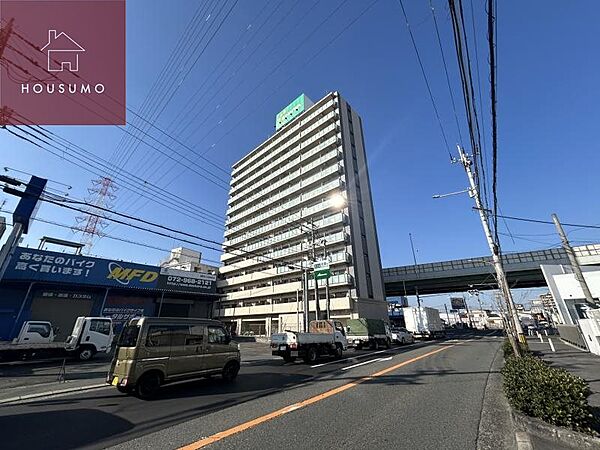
(91, 224)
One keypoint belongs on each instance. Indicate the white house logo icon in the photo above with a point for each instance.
(63, 52)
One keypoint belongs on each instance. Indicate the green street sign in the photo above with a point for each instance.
(321, 269)
(322, 274)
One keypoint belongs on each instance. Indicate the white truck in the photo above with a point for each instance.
(325, 337)
(423, 322)
(90, 335)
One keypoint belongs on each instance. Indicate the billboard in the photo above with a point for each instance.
(291, 111)
(184, 281)
(45, 266)
(457, 303)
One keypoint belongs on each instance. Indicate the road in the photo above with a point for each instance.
(427, 395)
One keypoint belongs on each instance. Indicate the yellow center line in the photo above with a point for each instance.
(309, 401)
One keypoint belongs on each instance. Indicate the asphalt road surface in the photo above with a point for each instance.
(421, 396)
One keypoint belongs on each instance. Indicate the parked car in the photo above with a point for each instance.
(36, 338)
(153, 351)
(402, 336)
(371, 333)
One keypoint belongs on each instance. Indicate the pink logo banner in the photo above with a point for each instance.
(62, 62)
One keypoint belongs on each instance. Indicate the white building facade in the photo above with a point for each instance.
(284, 187)
(182, 258)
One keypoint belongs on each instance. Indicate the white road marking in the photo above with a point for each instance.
(367, 362)
(354, 358)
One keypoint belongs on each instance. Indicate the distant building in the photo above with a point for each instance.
(182, 258)
(566, 291)
(312, 173)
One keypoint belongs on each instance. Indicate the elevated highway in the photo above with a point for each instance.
(522, 270)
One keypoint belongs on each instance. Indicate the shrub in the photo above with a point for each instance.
(551, 394)
(508, 350)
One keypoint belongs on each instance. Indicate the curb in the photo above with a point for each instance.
(21, 398)
(496, 413)
(558, 434)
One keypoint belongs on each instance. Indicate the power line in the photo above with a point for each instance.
(63, 204)
(195, 61)
(277, 67)
(129, 241)
(545, 222)
(175, 201)
(216, 79)
(196, 95)
(477, 151)
(131, 111)
(115, 238)
(258, 61)
(167, 74)
(491, 20)
(191, 167)
(467, 88)
(437, 114)
(450, 90)
(88, 165)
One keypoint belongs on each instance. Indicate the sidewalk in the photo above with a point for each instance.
(24, 380)
(578, 362)
(21, 380)
(22, 393)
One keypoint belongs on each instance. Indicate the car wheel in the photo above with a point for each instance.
(148, 385)
(388, 343)
(230, 371)
(339, 351)
(85, 353)
(123, 389)
(402, 341)
(311, 355)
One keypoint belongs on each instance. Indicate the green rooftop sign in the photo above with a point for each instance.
(292, 110)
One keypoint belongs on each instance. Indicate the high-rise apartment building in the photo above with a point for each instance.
(292, 183)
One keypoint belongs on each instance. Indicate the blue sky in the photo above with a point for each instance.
(548, 116)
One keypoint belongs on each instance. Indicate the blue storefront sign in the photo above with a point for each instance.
(45, 266)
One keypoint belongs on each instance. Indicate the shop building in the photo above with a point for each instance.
(59, 287)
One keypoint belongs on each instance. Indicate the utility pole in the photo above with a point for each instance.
(22, 216)
(447, 316)
(412, 247)
(574, 263)
(305, 295)
(500, 275)
(468, 312)
(327, 298)
(298, 310)
(314, 259)
(475, 292)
